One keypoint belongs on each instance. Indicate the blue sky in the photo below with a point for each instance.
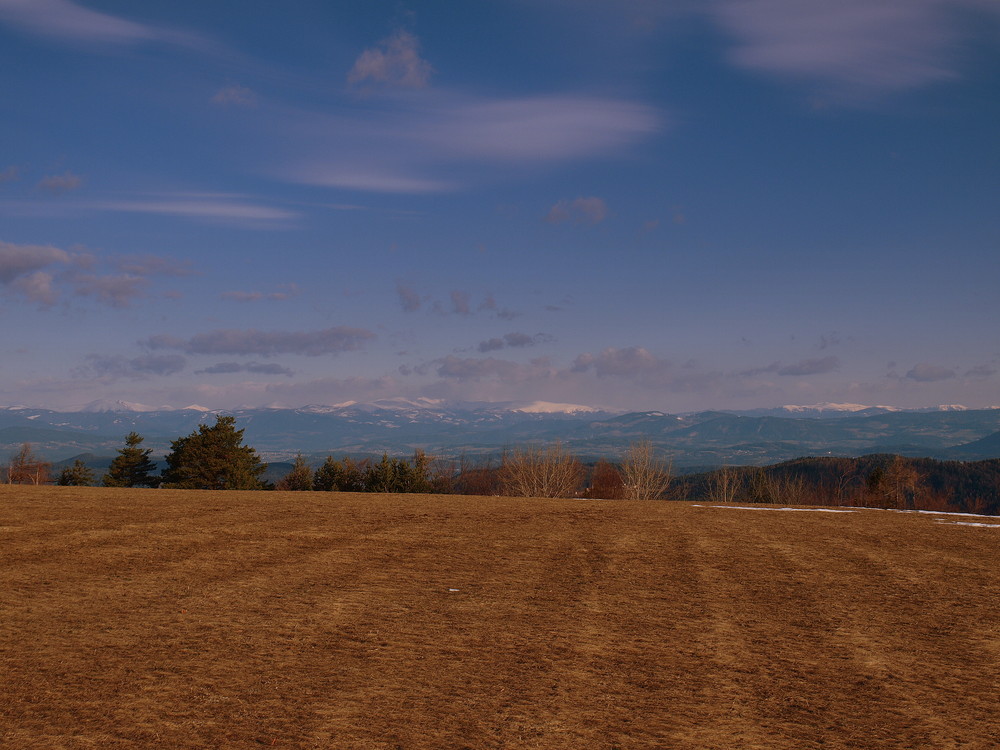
(633, 204)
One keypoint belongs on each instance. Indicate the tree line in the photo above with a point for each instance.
(216, 458)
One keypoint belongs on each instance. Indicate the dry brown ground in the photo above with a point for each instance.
(192, 619)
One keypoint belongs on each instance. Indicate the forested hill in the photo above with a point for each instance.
(878, 480)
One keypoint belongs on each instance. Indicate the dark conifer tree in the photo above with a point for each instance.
(132, 467)
(77, 475)
(214, 458)
(299, 479)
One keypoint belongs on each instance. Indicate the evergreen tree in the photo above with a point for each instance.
(385, 476)
(299, 479)
(132, 467)
(77, 475)
(214, 458)
(330, 477)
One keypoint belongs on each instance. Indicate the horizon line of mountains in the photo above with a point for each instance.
(483, 429)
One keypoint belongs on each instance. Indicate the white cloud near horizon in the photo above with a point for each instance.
(245, 342)
(109, 368)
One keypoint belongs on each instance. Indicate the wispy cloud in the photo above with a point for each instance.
(18, 260)
(115, 291)
(10, 174)
(286, 291)
(219, 206)
(811, 366)
(395, 61)
(409, 300)
(981, 371)
(247, 342)
(445, 140)
(514, 340)
(852, 48)
(235, 96)
(590, 210)
(461, 302)
(257, 368)
(925, 372)
(113, 367)
(62, 19)
(40, 273)
(61, 183)
(147, 264)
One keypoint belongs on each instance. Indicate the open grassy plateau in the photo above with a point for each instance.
(181, 619)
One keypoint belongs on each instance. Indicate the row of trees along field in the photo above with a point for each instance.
(214, 457)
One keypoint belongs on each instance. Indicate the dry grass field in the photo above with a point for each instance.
(151, 618)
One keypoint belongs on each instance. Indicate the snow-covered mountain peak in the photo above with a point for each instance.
(548, 407)
(111, 405)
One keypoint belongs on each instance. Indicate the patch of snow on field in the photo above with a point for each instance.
(948, 513)
(760, 507)
(853, 510)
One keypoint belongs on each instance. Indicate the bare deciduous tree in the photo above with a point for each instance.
(646, 476)
(723, 485)
(27, 468)
(536, 471)
(606, 482)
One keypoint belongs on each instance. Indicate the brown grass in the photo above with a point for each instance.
(151, 618)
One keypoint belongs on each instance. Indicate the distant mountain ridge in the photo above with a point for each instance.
(398, 426)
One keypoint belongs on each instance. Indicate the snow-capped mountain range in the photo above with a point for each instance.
(399, 426)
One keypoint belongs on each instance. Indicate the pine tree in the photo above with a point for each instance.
(299, 479)
(77, 475)
(385, 476)
(214, 458)
(132, 467)
(330, 477)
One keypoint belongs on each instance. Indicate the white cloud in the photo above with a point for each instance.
(235, 96)
(543, 128)
(287, 292)
(18, 260)
(811, 366)
(926, 372)
(431, 145)
(221, 206)
(37, 287)
(109, 368)
(115, 291)
(61, 183)
(582, 210)
(395, 61)
(853, 48)
(62, 19)
(268, 343)
(38, 272)
(409, 299)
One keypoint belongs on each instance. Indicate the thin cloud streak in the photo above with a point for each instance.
(430, 144)
(62, 19)
(334, 340)
(853, 48)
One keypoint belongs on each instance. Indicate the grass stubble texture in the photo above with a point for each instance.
(183, 619)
